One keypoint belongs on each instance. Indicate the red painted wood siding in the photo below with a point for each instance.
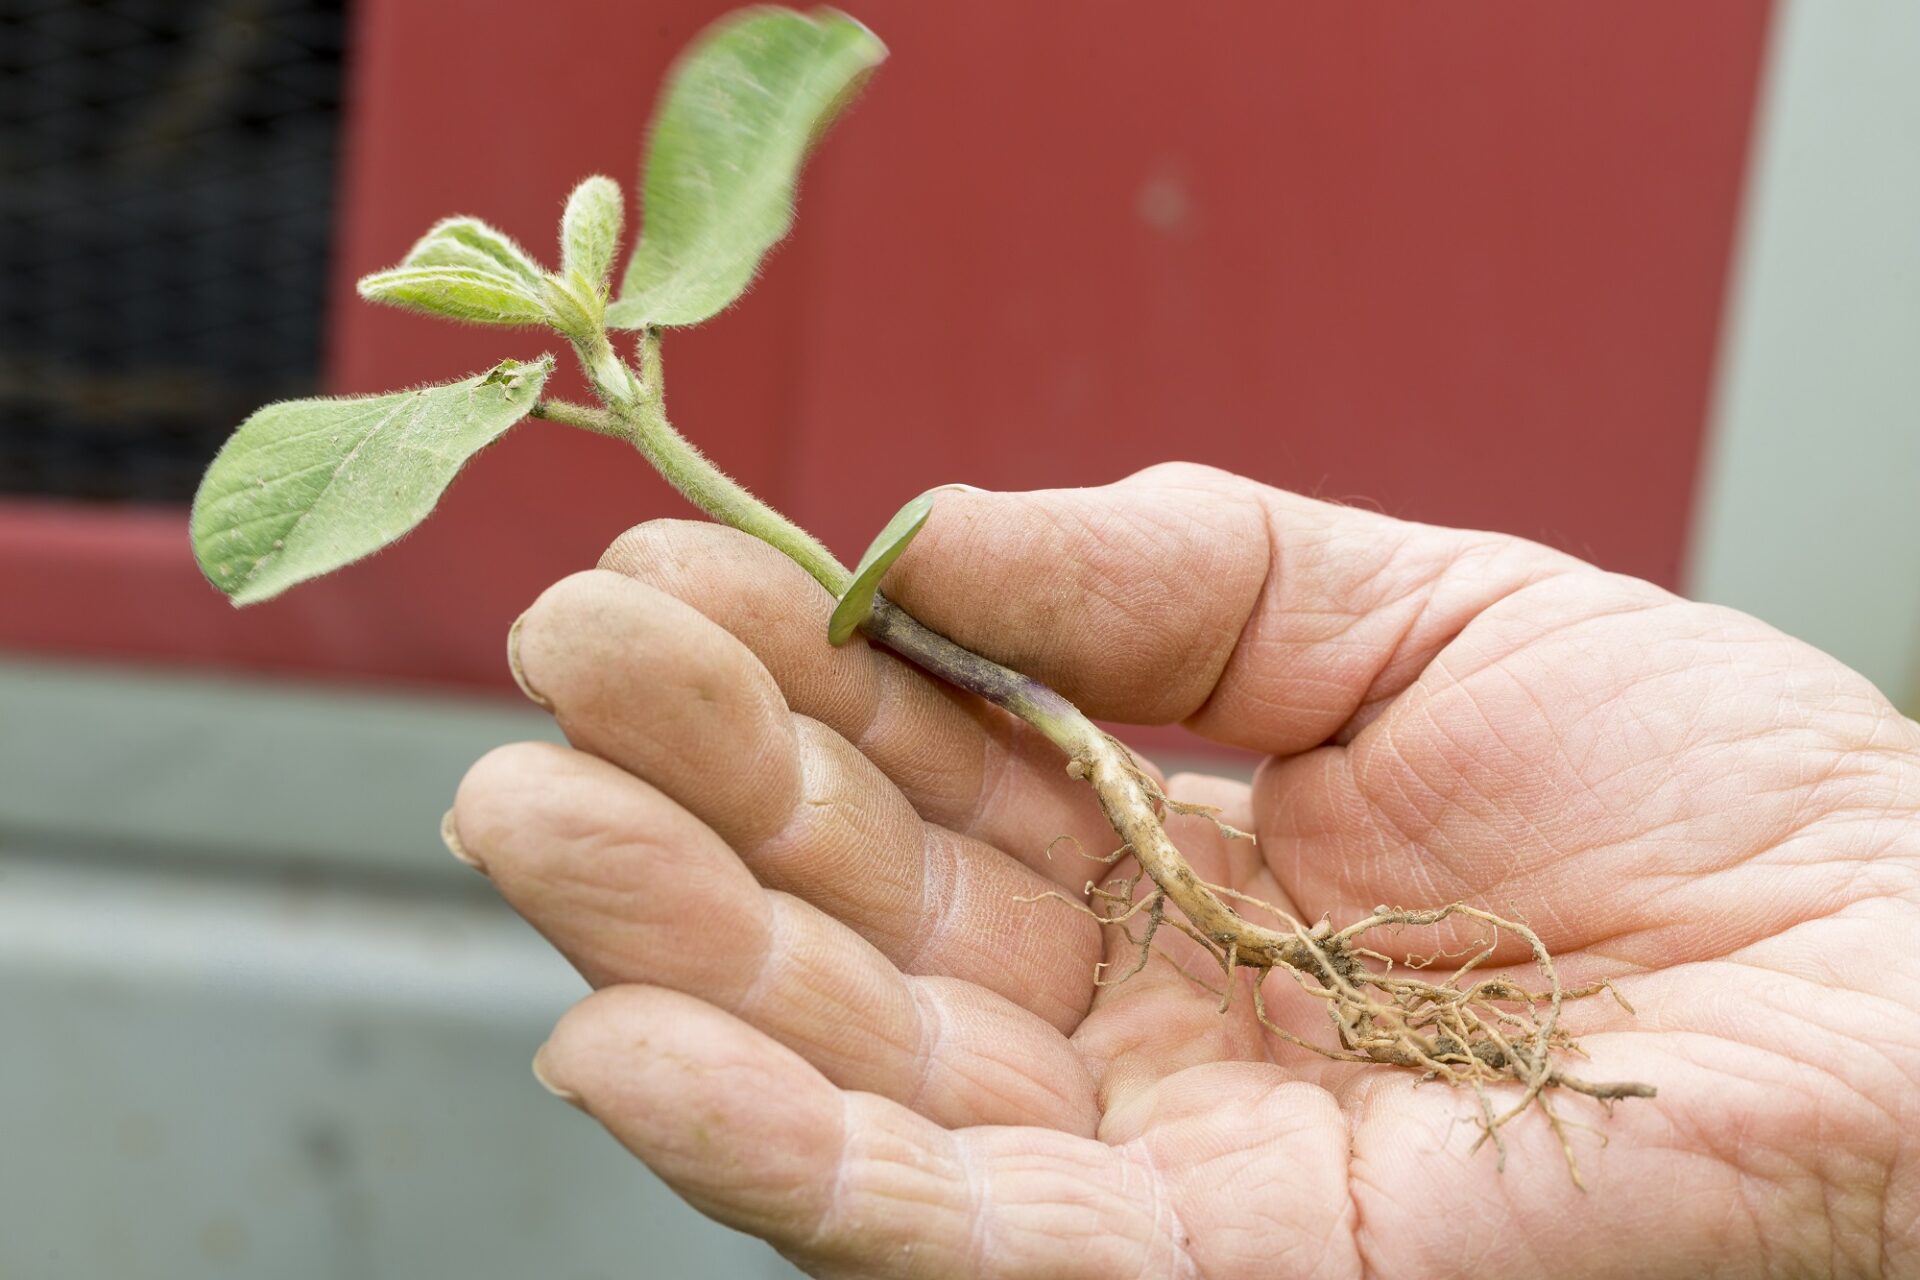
(1465, 262)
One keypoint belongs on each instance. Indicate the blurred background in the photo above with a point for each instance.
(1638, 280)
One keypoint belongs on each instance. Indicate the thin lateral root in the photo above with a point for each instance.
(1467, 1030)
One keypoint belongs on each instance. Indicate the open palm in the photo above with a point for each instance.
(822, 1015)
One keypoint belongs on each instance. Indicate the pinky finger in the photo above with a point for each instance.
(843, 1183)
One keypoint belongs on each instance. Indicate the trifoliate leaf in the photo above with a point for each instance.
(739, 114)
(590, 229)
(306, 486)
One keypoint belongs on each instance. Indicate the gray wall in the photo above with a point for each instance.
(255, 1022)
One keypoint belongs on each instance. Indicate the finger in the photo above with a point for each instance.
(848, 1184)
(1183, 593)
(632, 888)
(963, 765)
(646, 682)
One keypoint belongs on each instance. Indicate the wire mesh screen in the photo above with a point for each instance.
(166, 194)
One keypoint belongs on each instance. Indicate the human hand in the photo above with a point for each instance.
(821, 1016)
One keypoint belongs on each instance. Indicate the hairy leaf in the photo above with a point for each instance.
(477, 245)
(856, 604)
(306, 486)
(590, 229)
(445, 251)
(574, 305)
(740, 112)
(457, 293)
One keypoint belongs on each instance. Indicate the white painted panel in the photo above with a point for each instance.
(1810, 514)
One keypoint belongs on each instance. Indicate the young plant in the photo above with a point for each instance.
(308, 486)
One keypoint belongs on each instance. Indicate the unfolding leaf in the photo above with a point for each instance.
(856, 603)
(306, 486)
(458, 293)
(590, 229)
(445, 251)
(740, 112)
(574, 305)
(470, 242)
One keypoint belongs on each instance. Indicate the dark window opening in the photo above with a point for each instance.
(166, 203)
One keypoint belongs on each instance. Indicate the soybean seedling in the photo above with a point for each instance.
(308, 486)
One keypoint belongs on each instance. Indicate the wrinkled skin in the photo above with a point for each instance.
(790, 871)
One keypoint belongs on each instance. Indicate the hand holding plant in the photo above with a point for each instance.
(790, 871)
(846, 915)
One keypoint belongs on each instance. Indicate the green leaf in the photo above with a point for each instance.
(448, 252)
(469, 242)
(463, 269)
(740, 112)
(574, 306)
(590, 229)
(457, 293)
(306, 486)
(856, 604)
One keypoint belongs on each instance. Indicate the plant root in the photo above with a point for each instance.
(1470, 1033)
(1466, 1031)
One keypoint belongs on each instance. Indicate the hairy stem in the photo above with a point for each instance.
(583, 416)
(638, 403)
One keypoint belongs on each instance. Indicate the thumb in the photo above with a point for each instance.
(1187, 594)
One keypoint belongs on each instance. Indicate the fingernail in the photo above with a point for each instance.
(450, 837)
(519, 672)
(567, 1096)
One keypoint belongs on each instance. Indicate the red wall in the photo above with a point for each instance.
(1464, 262)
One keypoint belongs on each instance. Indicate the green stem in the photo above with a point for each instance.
(583, 416)
(639, 406)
